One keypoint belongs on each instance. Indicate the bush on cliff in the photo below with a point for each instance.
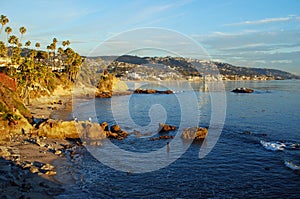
(11, 104)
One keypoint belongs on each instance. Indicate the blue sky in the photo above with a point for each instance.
(256, 33)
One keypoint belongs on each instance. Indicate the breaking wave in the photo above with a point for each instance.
(291, 165)
(273, 146)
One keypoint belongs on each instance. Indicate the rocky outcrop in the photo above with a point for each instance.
(114, 132)
(163, 128)
(242, 90)
(151, 91)
(90, 132)
(108, 85)
(196, 133)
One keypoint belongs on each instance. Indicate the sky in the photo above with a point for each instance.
(250, 33)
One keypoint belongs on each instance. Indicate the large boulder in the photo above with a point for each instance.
(196, 133)
(71, 129)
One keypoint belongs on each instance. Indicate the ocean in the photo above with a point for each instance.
(252, 149)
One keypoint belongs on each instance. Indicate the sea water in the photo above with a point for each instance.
(257, 154)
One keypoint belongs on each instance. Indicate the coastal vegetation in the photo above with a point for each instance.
(36, 72)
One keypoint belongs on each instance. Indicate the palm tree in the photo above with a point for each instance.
(22, 31)
(3, 20)
(66, 43)
(60, 53)
(28, 43)
(3, 49)
(16, 51)
(8, 30)
(13, 40)
(37, 45)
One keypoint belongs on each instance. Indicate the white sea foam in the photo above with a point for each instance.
(291, 165)
(273, 146)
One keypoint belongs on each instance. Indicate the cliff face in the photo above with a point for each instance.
(14, 116)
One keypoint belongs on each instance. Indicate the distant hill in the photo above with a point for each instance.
(187, 67)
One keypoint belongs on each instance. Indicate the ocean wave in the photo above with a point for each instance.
(178, 91)
(273, 146)
(291, 165)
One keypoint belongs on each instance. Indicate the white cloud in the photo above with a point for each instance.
(265, 21)
(282, 61)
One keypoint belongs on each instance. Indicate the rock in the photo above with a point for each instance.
(48, 167)
(196, 133)
(104, 126)
(242, 90)
(115, 129)
(4, 151)
(34, 169)
(57, 152)
(50, 173)
(165, 92)
(151, 91)
(166, 128)
(108, 85)
(70, 129)
(103, 94)
(41, 144)
(163, 137)
(111, 135)
(116, 133)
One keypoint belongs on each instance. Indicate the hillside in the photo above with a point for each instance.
(134, 67)
(14, 116)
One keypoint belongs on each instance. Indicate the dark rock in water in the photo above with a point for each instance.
(116, 133)
(163, 137)
(166, 128)
(165, 92)
(151, 91)
(242, 90)
(196, 133)
(115, 129)
(104, 126)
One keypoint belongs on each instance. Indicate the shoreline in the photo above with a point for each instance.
(30, 164)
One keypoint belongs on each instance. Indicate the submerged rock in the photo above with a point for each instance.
(196, 133)
(163, 137)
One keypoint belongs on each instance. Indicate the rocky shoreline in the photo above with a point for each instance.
(27, 159)
(28, 155)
